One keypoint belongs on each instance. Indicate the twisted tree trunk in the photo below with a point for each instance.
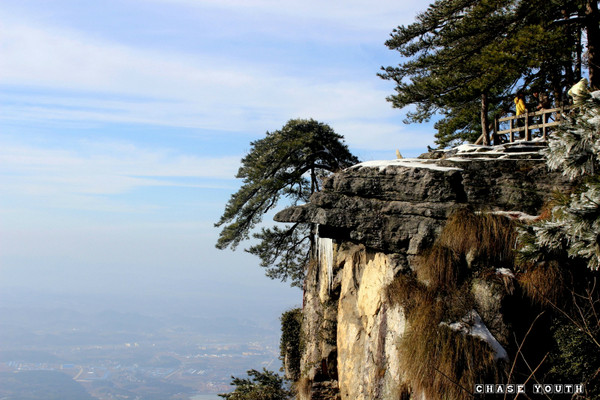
(592, 26)
(484, 119)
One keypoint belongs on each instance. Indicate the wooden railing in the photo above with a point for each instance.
(503, 129)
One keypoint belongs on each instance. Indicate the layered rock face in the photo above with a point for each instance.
(380, 215)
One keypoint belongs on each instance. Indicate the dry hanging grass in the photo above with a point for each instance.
(543, 282)
(406, 291)
(441, 363)
(483, 236)
(468, 241)
(303, 387)
(438, 361)
(439, 267)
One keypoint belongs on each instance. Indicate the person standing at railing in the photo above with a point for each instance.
(520, 103)
(543, 101)
(521, 109)
(543, 104)
(579, 92)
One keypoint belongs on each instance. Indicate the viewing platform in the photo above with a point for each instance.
(525, 126)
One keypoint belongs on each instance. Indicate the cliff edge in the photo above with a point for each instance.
(376, 220)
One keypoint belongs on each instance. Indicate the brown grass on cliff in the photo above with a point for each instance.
(302, 387)
(439, 267)
(482, 236)
(467, 241)
(543, 282)
(435, 359)
(409, 293)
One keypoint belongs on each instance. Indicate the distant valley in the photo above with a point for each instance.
(51, 352)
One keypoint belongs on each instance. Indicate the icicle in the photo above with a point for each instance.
(325, 255)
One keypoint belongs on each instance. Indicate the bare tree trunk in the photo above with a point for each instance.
(558, 94)
(592, 20)
(313, 227)
(484, 119)
(569, 78)
(578, 50)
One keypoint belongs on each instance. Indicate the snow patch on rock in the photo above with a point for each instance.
(471, 324)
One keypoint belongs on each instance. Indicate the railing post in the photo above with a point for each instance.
(511, 125)
(495, 130)
(527, 133)
(512, 132)
(562, 111)
(544, 122)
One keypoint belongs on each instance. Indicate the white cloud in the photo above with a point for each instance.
(62, 75)
(65, 59)
(104, 169)
(374, 135)
(117, 83)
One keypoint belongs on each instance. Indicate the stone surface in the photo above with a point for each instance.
(368, 327)
(399, 208)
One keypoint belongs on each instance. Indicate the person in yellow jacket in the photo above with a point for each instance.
(520, 103)
(521, 108)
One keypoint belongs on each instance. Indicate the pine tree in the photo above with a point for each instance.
(265, 385)
(288, 164)
(464, 58)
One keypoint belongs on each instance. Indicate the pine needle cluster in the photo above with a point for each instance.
(574, 225)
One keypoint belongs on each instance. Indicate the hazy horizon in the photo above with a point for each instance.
(123, 127)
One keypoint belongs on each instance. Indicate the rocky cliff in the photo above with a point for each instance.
(375, 220)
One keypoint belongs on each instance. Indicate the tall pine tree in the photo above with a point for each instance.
(463, 59)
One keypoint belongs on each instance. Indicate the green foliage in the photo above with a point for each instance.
(459, 50)
(458, 125)
(575, 359)
(265, 385)
(291, 344)
(288, 164)
(284, 252)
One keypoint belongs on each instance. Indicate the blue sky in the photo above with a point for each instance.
(122, 124)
